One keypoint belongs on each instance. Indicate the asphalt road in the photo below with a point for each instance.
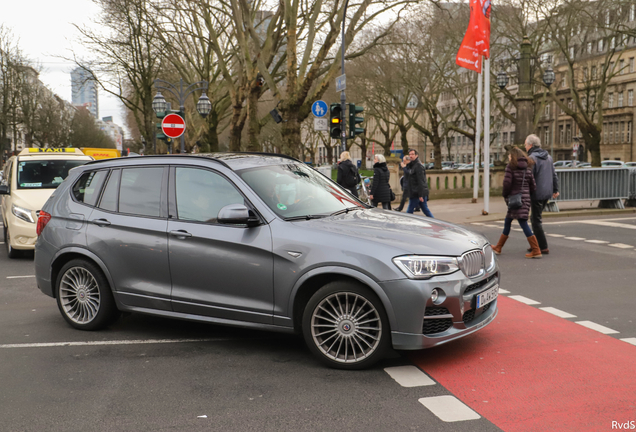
(151, 374)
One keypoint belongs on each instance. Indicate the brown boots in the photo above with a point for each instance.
(534, 245)
(502, 241)
(535, 252)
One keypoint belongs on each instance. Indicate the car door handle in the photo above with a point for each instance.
(180, 234)
(101, 222)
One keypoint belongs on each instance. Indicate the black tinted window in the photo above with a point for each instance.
(87, 188)
(44, 174)
(202, 193)
(140, 191)
(109, 197)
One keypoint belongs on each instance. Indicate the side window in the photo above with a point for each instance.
(86, 189)
(140, 191)
(111, 191)
(201, 194)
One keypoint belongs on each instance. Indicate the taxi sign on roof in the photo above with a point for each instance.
(67, 150)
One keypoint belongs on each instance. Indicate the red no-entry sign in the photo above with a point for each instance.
(173, 125)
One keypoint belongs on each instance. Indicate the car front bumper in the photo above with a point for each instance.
(22, 234)
(422, 323)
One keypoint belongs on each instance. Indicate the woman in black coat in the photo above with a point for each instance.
(519, 180)
(380, 189)
(348, 176)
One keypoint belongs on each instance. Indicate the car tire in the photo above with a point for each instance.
(84, 296)
(11, 251)
(344, 324)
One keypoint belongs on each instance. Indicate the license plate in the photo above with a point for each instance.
(487, 296)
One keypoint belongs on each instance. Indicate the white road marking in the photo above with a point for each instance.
(449, 408)
(574, 238)
(599, 328)
(597, 241)
(20, 277)
(621, 246)
(503, 291)
(591, 222)
(525, 300)
(112, 342)
(492, 226)
(478, 223)
(555, 235)
(409, 376)
(557, 312)
(609, 224)
(630, 341)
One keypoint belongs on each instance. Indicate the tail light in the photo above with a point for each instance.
(43, 219)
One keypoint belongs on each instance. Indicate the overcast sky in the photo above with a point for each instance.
(44, 30)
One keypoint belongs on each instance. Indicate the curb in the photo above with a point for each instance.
(569, 213)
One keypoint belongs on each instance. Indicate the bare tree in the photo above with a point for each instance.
(126, 57)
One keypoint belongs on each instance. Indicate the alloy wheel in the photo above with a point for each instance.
(79, 295)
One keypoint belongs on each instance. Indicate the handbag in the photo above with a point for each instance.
(392, 194)
(515, 201)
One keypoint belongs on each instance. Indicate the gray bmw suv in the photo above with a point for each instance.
(259, 241)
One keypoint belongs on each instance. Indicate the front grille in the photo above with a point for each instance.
(479, 284)
(436, 325)
(472, 263)
(470, 315)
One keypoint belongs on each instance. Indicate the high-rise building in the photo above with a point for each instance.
(84, 91)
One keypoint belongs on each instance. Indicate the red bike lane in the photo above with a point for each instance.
(532, 371)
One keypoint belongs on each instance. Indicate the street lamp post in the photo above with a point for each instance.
(343, 99)
(159, 104)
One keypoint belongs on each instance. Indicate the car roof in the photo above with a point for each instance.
(234, 161)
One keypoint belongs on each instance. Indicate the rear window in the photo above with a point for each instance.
(44, 174)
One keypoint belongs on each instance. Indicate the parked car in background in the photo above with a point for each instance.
(563, 164)
(29, 180)
(612, 163)
(630, 165)
(583, 165)
(259, 241)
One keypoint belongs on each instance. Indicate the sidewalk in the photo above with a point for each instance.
(463, 211)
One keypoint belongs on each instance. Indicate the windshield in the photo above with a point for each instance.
(45, 174)
(294, 190)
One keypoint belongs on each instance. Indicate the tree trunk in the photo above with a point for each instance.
(290, 132)
(211, 137)
(592, 139)
(363, 148)
(405, 141)
(437, 151)
(253, 123)
(236, 127)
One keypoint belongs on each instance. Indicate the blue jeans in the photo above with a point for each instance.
(523, 223)
(415, 202)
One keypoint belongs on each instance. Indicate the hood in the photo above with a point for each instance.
(381, 165)
(346, 162)
(522, 163)
(407, 234)
(538, 153)
(31, 199)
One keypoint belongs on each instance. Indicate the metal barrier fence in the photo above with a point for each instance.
(607, 185)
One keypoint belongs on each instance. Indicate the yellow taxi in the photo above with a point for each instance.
(28, 180)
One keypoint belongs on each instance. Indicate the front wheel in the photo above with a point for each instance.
(84, 297)
(345, 326)
(11, 251)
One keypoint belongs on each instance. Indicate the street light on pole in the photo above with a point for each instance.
(159, 104)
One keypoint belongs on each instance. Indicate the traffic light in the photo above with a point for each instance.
(160, 134)
(353, 120)
(335, 121)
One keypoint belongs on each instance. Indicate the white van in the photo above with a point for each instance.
(28, 180)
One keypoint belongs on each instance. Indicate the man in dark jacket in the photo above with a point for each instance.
(418, 186)
(547, 187)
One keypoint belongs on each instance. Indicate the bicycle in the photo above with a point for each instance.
(363, 189)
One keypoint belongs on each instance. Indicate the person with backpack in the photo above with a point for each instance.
(348, 176)
(380, 190)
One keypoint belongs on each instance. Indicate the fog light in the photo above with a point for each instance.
(434, 295)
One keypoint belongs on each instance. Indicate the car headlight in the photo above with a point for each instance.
(22, 213)
(425, 267)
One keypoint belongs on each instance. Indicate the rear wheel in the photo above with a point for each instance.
(84, 297)
(345, 326)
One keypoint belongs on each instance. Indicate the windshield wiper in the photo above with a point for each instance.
(345, 210)
(305, 217)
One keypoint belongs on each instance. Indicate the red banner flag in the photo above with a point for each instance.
(476, 42)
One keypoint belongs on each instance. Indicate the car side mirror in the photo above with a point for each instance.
(237, 214)
(4, 190)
